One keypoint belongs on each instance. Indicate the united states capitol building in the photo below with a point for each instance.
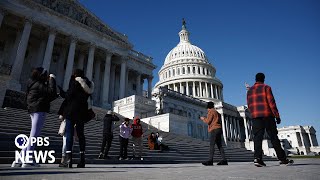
(62, 35)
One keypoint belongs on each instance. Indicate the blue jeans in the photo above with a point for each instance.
(70, 132)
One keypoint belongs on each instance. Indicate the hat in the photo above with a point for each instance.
(210, 105)
(109, 112)
(126, 119)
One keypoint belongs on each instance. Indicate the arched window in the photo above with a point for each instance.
(173, 72)
(188, 69)
(178, 71)
(194, 70)
(169, 73)
(183, 70)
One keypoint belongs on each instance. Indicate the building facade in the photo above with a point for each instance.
(62, 35)
(300, 140)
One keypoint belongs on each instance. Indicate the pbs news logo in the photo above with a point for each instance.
(22, 141)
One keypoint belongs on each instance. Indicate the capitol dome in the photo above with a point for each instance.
(187, 70)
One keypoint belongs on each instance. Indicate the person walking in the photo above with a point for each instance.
(264, 111)
(213, 120)
(76, 112)
(108, 122)
(125, 132)
(137, 138)
(41, 90)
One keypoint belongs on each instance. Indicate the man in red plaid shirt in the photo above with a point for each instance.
(264, 111)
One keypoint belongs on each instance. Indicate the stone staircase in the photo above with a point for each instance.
(182, 149)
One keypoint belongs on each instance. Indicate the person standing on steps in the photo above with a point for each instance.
(76, 112)
(41, 90)
(213, 120)
(264, 111)
(137, 138)
(125, 132)
(108, 123)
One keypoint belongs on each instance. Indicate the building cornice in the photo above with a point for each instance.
(76, 14)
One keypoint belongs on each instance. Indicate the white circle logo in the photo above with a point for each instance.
(21, 141)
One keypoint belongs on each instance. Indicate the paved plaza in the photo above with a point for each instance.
(302, 169)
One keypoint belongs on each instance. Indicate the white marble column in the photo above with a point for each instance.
(97, 82)
(180, 89)
(246, 128)
(122, 79)
(19, 60)
(112, 82)
(302, 140)
(235, 130)
(48, 54)
(207, 92)
(126, 84)
(90, 62)
(224, 128)
(310, 138)
(138, 86)
(194, 89)
(80, 63)
(149, 86)
(175, 87)
(106, 80)
(216, 90)
(211, 90)
(187, 88)
(227, 126)
(231, 127)
(200, 90)
(70, 62)
(221, 93)
(238, 128)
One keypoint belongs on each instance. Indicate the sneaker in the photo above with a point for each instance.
(16, 164)
(259, 163)
(207, 163)
(120, 158)
(222, 162)
(127, 159)
(100, 156)
(141, 158)
(286, 162)
(27, 165)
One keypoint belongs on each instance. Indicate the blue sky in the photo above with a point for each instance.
(280, 38)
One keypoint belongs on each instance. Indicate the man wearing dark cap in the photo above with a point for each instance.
(108, 121)
(264, 111)
(214, 127)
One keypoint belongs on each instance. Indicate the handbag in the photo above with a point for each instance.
(62, 128)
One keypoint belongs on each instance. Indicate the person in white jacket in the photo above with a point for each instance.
(125, 132)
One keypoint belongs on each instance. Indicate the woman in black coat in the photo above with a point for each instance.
(75, 111)
(41, 90)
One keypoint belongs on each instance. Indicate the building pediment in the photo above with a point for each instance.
(74, 10)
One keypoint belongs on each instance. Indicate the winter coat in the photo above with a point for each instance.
(76, 108)
(152, 142)
(213, 120)
(108, 123)
(136, 129)
(125, 130)
(39, 95)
